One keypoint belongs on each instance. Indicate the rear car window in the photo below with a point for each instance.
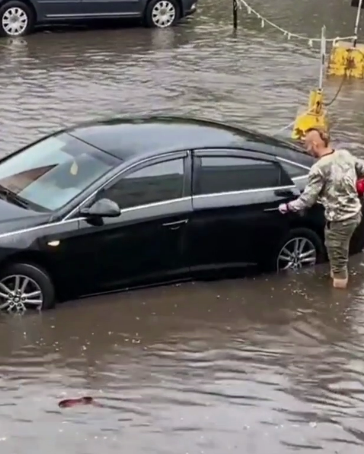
(293, 170)
(300, 157)
(294, 153)
(219, 174)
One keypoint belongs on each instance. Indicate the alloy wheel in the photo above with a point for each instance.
(18, 293)
(297, 253)
(163, 14)
(14, 21)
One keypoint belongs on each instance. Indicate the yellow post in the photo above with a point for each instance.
(314, 116)
(346, 60)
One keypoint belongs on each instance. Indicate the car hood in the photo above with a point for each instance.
(13, 217)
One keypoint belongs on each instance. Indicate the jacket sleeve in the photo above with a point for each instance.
(359, 167)
(311, 193)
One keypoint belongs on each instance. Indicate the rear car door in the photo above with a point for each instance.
(299, 175)
(145, 243)
(235, 197)
(297, 172)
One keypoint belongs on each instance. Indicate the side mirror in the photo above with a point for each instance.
(103, 208)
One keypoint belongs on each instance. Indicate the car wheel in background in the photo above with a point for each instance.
(161, 13)
(300, 248)
(16, 19)
(24, 286)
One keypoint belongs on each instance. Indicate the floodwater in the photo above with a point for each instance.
(267, 364)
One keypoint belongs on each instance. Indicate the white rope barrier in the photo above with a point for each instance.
(287, 33)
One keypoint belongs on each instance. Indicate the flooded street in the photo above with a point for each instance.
(262, 365)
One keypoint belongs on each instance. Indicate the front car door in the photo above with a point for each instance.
(235, 219)
(58, 9)
(145, 244)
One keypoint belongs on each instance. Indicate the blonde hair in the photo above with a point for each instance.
(323, 133)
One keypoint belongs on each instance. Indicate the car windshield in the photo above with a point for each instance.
(52, 172)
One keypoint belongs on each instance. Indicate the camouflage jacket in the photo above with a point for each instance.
(332, 182)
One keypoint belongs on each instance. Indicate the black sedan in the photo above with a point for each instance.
(134, 202)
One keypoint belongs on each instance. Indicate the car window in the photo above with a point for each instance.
(156, 183)
(293, 170)
(228, 174)
(50, 173)
(301, 157)
(293, 153)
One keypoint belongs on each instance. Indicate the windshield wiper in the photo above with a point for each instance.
(11, 196)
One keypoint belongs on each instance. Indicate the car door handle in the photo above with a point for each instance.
(299, 213)
(271, 209)
(284, 193)
(175, 225)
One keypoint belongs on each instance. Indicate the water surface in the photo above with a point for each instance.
(266, 364)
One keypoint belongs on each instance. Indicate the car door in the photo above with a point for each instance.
(235, 197)
(145, 243)
(57, 9)
(107, 8)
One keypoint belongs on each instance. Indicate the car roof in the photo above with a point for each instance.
(128, 138)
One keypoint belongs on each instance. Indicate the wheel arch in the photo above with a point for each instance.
(36, 259)
(179, 2)
(295, 224)
(28, 3)
(310, 225)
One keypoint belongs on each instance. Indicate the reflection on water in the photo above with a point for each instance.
(271, 364)
(198, 367)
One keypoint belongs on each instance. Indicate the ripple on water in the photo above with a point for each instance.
(264, 365)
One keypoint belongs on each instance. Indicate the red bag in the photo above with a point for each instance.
(360, 187)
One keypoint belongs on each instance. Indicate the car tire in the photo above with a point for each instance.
(153, 20)
(38, 285)
(18, 10)
(302, 236)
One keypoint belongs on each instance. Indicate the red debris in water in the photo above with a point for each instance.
(66, 403)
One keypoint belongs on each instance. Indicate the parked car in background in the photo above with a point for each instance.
(134, 202)
(19, 17)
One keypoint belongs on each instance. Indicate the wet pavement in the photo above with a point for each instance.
(266, 364)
